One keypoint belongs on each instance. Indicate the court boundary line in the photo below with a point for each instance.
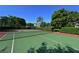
(12, 47)
(58, 42)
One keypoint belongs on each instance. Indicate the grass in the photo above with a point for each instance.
(22, 44)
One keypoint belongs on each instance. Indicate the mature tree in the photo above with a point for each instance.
(30, 24)
(62, 18)
(43, 24)
(12, 22)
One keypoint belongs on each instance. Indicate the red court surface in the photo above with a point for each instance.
(66, 34)
(2, 33)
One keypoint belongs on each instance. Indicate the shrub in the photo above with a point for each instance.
(71, 30)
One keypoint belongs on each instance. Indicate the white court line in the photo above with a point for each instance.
(13, 42)
(57, 42)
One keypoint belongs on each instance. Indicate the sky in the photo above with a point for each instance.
(31, 12)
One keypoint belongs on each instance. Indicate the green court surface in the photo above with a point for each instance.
(20, 42)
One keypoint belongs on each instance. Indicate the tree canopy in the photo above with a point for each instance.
(12, 22)
(62, 18)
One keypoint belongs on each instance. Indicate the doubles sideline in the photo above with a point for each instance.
(12, 47)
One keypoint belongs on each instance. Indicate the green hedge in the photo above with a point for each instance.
(71, 30)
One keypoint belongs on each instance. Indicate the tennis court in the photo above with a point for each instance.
(20, 42)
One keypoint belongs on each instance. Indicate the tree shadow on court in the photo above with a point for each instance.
(58, 49)
(43, 48)
(31, 50)
(3, 50)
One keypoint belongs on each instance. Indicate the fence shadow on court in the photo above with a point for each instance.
(44, 49)
(24, 36)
